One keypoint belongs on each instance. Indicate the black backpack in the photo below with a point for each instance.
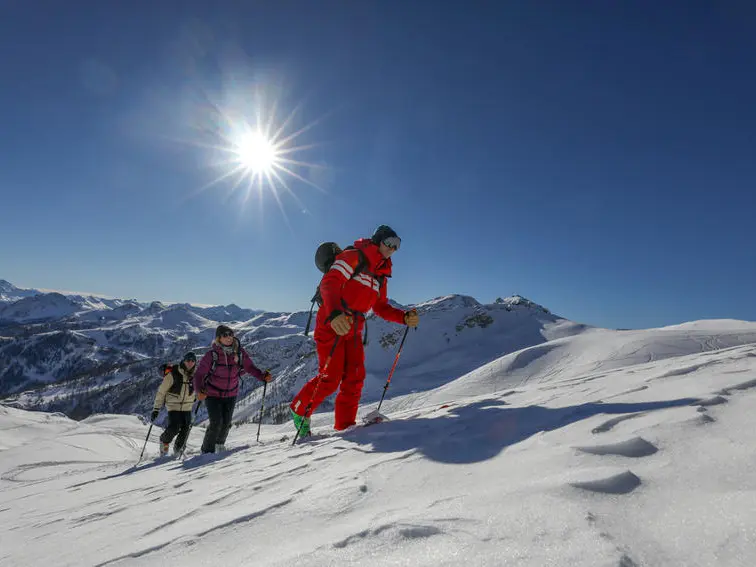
(178, 379)
(325, 256)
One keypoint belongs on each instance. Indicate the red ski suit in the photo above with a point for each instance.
(344, 292)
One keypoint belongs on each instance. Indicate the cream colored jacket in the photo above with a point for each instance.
(176, 402)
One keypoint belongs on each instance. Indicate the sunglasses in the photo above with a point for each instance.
(393, 242)
(225, 334)
(190, 359)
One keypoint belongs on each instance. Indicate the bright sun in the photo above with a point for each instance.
(256, 153)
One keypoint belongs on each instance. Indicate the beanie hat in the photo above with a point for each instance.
(222, 329)
(382, 233)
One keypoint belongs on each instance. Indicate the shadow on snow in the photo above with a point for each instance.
(481, 430)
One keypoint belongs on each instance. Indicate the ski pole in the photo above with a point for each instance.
(145, 443)
(393, 367)
(262, 405)
(317, 385)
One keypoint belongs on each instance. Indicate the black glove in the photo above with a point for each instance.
(155, 413)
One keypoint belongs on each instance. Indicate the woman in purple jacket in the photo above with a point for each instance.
(217, 382)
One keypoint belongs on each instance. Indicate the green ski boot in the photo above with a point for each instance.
(301, 423)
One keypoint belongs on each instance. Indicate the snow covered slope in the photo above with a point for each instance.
(602, 449)
(596, 354)
(44, 306)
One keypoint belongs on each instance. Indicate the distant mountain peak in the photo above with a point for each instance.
(447, 302)
(156, 307)
(517, 299)
(10, 293)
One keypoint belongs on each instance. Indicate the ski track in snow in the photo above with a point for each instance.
(541, 474)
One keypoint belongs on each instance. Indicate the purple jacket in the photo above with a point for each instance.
(224, 381)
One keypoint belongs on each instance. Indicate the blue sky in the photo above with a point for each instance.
(595, 157)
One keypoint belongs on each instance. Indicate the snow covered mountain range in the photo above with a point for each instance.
(81, 355)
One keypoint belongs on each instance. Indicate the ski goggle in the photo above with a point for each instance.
(191, 357)
(393, 242)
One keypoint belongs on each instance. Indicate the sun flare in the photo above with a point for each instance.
(253, 149)
(256, 153)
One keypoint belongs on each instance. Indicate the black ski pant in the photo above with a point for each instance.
(219, 412)
(178, 422)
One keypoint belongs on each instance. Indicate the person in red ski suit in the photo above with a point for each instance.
(347, 297)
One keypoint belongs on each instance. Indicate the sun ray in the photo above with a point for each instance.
(285, 185)
(271, 121)
(248, 193)
(286, 151)
(234, 187)
(215, 181)
(301, 131)
(277, 197)
(285, 124)
(195, 143)
(303, 163)
(294, 174)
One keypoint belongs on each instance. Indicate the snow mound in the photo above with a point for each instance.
(620, 482)
(634, 447)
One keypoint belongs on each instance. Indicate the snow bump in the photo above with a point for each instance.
(713, 401)
(393, 532)
(742, 386)
(634, 447)
(622, 482)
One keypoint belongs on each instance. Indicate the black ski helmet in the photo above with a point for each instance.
(325, 255)
(382, 233)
